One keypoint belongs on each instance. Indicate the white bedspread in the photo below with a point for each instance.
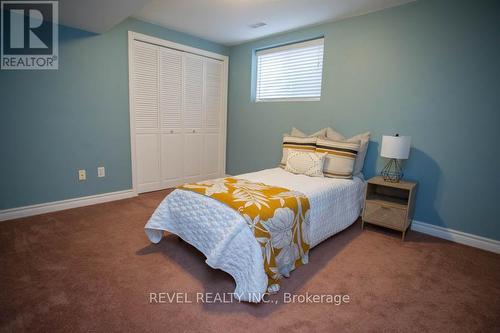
(204, 223)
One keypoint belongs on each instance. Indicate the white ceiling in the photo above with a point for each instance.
(97, 15)
(227, 21)
(222, 21)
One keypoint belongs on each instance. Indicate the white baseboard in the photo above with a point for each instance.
(456, 236)
(426, 228)
(18, 212)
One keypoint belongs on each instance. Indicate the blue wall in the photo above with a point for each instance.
(429, 69)
(53, 123)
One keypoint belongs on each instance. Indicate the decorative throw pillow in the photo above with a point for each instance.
(297, 143)
(340, 158)
(306, 163)
(364, 140)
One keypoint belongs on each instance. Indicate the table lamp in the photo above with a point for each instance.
(395, 148)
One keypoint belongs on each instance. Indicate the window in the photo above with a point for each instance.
(290, 72)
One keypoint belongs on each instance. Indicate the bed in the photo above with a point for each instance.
(230, 245)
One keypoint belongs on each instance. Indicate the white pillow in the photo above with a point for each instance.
(306, 163)
(363, 139)
(298, 133)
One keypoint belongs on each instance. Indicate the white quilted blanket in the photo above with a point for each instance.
(204, 223)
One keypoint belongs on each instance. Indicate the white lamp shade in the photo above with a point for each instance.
(395, 147)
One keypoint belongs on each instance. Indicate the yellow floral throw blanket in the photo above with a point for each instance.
(278, 218)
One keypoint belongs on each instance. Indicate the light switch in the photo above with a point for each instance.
(82, 175)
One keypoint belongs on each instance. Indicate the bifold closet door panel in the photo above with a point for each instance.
(212, 164)
(212, 154)
(146, 113)
(171, 93)
(193, 117)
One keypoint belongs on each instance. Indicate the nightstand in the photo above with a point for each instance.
(389, 204)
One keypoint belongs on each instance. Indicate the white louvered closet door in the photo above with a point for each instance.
(212, 162)
(193, 117)
(178, 124)
(171, 144)
(147, 139)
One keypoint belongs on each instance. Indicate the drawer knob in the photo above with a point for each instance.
(171, 131)
(194, 131)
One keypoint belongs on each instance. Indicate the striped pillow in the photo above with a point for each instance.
(293, 142)
(340, 158)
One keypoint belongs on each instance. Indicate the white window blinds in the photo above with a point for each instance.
(290, 72)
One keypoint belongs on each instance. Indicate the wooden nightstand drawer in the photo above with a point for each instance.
(389, 204)
(386, 215)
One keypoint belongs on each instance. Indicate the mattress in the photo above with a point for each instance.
(334, 203)
(223, 236)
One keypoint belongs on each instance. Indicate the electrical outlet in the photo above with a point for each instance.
(101, 172)
(82, 175)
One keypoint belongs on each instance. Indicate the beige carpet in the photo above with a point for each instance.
(93, 269)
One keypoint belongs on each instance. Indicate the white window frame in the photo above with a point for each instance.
(292, 46)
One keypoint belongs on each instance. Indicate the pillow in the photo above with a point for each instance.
(297, 143)
(334, 135)
(364, 140)
(298, 133)
(340, 158)
(305, 162)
